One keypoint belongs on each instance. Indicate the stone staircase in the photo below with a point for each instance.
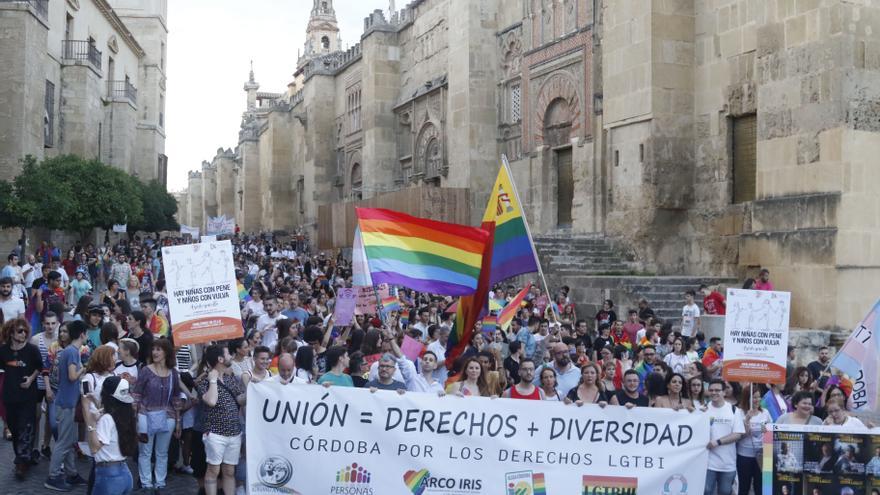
(596, 270)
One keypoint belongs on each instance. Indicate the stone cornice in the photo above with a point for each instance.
(114, 20)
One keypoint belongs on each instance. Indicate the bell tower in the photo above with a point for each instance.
(322, 33)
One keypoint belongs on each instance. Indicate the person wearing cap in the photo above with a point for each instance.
(112, 436)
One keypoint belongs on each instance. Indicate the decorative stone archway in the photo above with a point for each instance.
(559, 111)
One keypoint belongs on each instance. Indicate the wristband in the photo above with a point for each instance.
(718, 443)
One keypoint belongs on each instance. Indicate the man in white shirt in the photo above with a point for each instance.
(689, 314)
(438, 347)
(423, 381)
(726, 428)
(30, 271)
(11, 305)
(266, 323)
(286, 369)
(422, 323)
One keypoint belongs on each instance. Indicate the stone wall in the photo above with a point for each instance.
(22, 87)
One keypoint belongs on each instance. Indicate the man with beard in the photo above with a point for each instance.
(11, 306)
(567, 374)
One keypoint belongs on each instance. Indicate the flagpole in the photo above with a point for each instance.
(506, 165)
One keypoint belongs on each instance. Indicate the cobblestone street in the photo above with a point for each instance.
(178, 484)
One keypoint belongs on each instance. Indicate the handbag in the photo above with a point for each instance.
(157, 421)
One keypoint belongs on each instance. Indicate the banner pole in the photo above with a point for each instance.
(506, 165)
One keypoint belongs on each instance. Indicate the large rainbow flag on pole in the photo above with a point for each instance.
(424, 255)
(858, 359)
(512, 250)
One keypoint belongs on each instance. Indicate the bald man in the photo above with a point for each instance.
(567, 374)
(286, 369)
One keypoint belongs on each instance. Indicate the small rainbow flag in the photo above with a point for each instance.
(490, 323)
(509, 312)
(422, 254)
(243, 294)
(538, 484)
(771, 405)
(390, 304)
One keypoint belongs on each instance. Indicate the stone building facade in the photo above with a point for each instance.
(704, 138)
(85, 77)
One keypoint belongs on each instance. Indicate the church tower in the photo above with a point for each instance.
(322, 33)
(251, 87)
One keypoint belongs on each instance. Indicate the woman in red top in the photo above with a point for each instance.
(69, 264)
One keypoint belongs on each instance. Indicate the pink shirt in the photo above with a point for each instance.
(759, 285)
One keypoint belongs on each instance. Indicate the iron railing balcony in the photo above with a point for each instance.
(122, 89)
(81, 51)
(40, 6)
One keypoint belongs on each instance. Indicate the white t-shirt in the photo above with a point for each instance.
(266, 326)
(750, 445)
(255, 308)
(689, 315)
(109, 438)
(12, 308)
(722, 422)
(123, 369)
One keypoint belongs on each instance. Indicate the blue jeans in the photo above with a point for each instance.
(145, 450)
(722, 481)
(63, 460)
(113, 480)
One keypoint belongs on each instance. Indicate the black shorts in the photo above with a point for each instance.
(41, 394)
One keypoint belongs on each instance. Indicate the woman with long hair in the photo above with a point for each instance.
(676, 397)
(801, 380)
(112, 295)
(696, 391)
(590, 389)
(677, 359)
(156, 391)
(472, 381)
(497, 381)
(749, 447)
(81, 311)
(101, 364)
(548, 382)
(112, 436)
(133, 292)
(305, 364)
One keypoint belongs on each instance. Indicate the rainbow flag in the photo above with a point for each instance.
(470, 308)
(490, 323)
(509, 312)
(858, 357)
(243, 294)
(512, 250)
(390, 304)
(538, 484)
(771, 405)
(424, 255)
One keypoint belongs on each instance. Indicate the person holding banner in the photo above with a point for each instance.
(839, 416)
(590, 389)
(525, 389)
(472, 382)
(803, 411)
(727, 426)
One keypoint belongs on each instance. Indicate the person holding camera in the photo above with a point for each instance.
(112, 436)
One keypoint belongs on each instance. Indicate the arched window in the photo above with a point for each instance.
(325, 42)
(356, 182)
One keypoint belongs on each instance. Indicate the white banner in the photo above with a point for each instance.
(202, 292)
(221, 225)
(120, 228)
(756, 335)
(208, 238)
(309, 440)
(192, 231)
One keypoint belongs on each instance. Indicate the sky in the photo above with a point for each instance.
(210, 46)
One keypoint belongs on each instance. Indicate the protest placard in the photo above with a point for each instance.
(756, 335)
(202, 292)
